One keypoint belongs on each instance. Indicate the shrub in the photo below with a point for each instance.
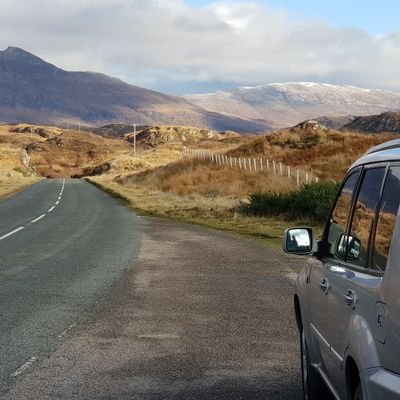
(312, 201)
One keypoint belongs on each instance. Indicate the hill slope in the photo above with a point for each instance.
(385, 122)
(286, 104)
(327, 153)
(35, 91)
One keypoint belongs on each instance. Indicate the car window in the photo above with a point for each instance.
(386, 219)
(364, 217)
(339, 218)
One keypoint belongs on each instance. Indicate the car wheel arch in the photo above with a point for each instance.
(352, 374)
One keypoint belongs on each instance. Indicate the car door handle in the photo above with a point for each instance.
(350, 298)
(324, 285)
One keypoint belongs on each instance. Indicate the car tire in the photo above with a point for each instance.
(358, 393)
(313, 386)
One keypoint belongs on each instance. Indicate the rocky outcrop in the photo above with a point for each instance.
(26, 162)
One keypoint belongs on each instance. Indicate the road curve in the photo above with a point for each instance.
(63, 245)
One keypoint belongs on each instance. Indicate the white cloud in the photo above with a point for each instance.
(153, 42)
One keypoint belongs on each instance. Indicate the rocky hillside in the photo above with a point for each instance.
(32, 90)
(54, 152)
(158, 135)
(286, 104)
(385, 122)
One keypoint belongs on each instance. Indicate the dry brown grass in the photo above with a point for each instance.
(218, 212)
(14, 183)
(327, 153)
(193, 176)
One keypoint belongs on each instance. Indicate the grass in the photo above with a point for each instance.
(12, 185)
(220, 212)
(326, 153)
(193, 176)
(312, 201)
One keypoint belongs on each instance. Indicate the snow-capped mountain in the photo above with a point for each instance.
(286, 104)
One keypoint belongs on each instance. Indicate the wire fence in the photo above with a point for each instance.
(253, 165)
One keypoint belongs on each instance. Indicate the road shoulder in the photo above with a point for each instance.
(201, 315)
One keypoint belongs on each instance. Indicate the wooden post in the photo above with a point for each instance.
(316, 179)
(231, 161)
(298, 177)
(288, 172)
(255, 165)
(240, 163)
(281, 169)
(249, 163)
(261, 164)
(306, 177)
(274, 167)
(267, 164)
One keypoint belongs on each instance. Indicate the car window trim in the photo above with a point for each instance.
(390, 165)
(324, 240)
(367, 270)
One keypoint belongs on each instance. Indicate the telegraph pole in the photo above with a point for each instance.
(134, 140)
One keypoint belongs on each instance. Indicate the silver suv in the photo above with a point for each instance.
(347, 296)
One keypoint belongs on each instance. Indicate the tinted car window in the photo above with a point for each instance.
(364, 216)
(387, 218)
(339, 218)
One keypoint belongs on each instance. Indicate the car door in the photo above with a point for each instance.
(332, 251)
(354, 286)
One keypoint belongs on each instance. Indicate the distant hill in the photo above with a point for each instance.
(385, 122)
(335, 122)
(117, 130)
(286, 104)
(32, 90)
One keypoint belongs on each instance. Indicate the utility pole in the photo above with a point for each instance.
(79, 125)
(134, 140)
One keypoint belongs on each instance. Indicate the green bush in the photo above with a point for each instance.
(312, 201)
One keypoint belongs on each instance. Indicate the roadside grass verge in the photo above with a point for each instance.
(219, 212)
(12, 185)
(193, 176)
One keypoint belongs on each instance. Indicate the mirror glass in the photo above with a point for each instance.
(298, 240)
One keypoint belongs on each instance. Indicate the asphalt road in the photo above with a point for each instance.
(200, 314)
(63, 247)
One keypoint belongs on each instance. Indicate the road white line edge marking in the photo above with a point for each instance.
(66, 331)
(51, 209)
(24, 367)
(57, 202)
(12, 232)
(38, 218)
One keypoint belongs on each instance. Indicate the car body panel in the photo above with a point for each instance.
(366, 331)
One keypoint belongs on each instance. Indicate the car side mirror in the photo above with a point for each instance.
(348, 246)
(299, 241)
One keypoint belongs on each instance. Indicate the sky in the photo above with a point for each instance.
(198, 46)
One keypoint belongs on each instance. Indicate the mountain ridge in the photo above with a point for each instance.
(286, 104)
(33, 90)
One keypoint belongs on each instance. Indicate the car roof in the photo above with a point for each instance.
(387, 151)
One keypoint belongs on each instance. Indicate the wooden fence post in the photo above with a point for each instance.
(255, 165)
(298, 177)
(261, 164)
